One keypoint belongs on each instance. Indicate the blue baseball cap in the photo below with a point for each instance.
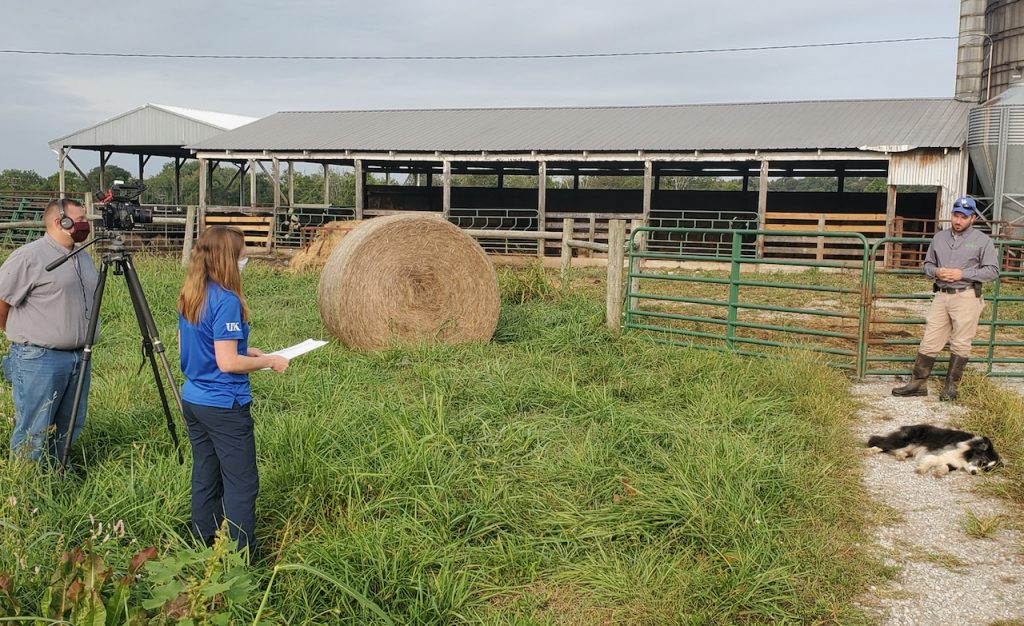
(965, 205)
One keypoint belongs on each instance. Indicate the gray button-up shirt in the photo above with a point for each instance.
(48, 309)
(972, 253)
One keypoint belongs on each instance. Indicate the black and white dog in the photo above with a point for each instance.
(942, 449)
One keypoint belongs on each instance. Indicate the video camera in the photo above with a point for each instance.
(120, 206)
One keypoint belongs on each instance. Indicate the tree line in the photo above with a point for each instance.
(227, 186)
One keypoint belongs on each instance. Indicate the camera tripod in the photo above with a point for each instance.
(119, 257)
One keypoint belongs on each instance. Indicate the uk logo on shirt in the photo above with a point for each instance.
(233, 327)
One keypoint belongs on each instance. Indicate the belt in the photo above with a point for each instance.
(32, 345)
(951, 289)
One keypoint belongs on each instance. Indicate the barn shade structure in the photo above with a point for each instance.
(147, 131)
(908, 142)
(913, 144)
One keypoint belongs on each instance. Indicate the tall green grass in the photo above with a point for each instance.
(558, 474)
(998, 413)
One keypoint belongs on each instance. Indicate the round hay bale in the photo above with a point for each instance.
(327, 238)
(408, 279)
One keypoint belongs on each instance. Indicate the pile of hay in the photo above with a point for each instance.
(327, 239)
(408, 279)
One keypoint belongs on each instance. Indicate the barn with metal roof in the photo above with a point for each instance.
(830, 125)
(150, 130)
(916, 144)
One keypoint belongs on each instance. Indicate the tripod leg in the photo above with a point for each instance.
(90, 340)
(152, 346)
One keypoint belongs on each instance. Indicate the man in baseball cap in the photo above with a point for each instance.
(965, 205)
(959, 260)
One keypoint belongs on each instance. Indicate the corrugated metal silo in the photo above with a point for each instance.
(995, 140)
(970, 51)
(1004, 22)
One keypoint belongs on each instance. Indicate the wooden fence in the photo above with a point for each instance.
(871, 225)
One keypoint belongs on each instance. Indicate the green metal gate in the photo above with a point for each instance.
(896, 324)
(838, 309)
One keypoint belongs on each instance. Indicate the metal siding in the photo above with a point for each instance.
(930, 167)
(765, 126)
(145, 126)
(1004, 20)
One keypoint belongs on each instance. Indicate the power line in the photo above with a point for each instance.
(494, 57)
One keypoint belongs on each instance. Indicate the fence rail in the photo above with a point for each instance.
(675, 232)
(298, 225)
(779, 240)
(499, 219)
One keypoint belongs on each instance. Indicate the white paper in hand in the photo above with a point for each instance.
(298, 349)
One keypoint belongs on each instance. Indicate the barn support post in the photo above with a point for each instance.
(252, 183)
(104, 157)
(60, 168)
(446, 188)
(648, 187)
(202, 193)
(890, 222)
(762, 205)
(241, 183)
(360, 179)
(291, 184)
(142, 172)
(276, 174)
(327, 184)
(177, 181)
(542, 193)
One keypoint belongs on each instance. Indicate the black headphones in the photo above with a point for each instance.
(65, 222)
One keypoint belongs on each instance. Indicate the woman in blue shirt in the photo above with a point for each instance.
(213, 331)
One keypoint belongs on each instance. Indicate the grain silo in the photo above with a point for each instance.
(989, 61)
(995, 141)
(1004, 28)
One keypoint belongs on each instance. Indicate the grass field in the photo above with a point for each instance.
(557, 475)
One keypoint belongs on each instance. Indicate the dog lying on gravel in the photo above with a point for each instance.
(941, 449)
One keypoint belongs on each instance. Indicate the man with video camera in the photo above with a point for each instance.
(46, 315)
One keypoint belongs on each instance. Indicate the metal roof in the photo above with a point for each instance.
(150, 127)
(839, 124)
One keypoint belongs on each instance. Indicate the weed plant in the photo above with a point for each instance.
(982, 526)
(556, 475)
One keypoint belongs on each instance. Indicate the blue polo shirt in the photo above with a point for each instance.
(205, 383)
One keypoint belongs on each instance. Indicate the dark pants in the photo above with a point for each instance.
(224, 478)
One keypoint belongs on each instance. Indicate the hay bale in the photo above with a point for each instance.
(407, 279)
(328, 236)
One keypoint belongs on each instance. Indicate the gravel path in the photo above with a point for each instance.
(943, 575)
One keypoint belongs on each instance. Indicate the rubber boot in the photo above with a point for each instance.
(954, 373)
(918, 385)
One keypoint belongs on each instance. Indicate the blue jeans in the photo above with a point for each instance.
(44, 383)
(224, 478)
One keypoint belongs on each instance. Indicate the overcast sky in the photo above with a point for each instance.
(46, 97)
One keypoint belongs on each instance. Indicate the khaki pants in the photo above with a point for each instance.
(952, 317)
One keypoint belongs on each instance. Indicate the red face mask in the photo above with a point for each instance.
(80, 232)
